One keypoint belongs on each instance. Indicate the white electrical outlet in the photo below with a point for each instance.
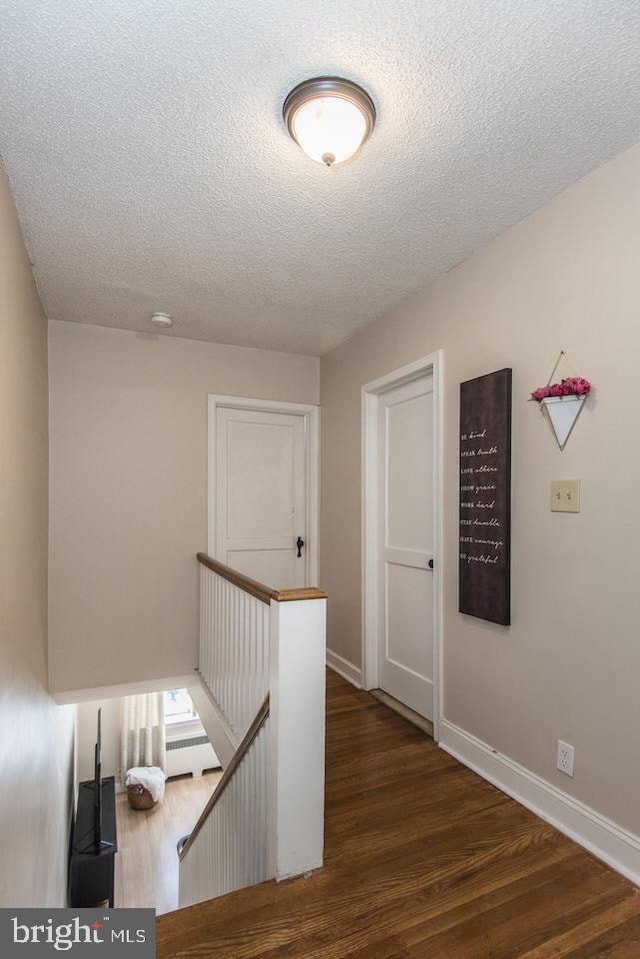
(565, 758)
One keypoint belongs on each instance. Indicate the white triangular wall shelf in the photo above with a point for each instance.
(562, 413)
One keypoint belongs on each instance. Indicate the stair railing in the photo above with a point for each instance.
(262, 699)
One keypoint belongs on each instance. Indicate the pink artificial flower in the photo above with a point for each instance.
(571, 386)
(540, 394)
(577, 385)
(556, 389)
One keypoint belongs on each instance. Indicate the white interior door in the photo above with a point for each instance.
(260, 495)
(405, 543)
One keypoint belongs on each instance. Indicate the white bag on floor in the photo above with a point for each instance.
(151, 777)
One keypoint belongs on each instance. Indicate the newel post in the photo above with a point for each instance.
(297, 736)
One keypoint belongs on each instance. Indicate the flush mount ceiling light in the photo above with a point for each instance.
(329, 118)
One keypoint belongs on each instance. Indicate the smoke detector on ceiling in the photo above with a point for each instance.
(162, 320)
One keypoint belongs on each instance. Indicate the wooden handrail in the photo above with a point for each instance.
(227, 776)
(264, 593)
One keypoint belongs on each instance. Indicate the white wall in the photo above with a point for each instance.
(128, 492)
(568, 667)
(36, 745)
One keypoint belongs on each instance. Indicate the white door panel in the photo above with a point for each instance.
(272, 567)
(406, 544)
(409, 456)
(261, 476)
(261, 489)
(408, 607)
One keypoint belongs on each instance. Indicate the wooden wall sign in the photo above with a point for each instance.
(485, 497)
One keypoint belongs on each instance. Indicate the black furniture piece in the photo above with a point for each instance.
(92, 869)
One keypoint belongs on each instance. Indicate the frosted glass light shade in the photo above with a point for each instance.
(329, 118)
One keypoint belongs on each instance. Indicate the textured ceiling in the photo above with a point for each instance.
(152, 171)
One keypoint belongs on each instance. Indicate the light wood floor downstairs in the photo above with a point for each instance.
(147, 863)
(423, 859)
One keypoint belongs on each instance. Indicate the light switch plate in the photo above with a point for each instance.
(565, 496)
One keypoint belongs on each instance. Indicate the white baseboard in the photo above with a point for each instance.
(616, 846)
(342, 666)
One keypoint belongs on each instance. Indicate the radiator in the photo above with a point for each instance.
(191, 754)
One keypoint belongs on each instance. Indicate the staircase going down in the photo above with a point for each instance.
(261, 697)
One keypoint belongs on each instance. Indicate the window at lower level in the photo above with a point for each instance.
(178, 707)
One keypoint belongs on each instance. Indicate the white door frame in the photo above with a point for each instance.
(370, 494)
(311, 415)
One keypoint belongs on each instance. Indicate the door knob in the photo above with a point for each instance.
(430, 564)
(299, 544)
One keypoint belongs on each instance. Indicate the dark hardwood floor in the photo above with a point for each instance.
(423, 859)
